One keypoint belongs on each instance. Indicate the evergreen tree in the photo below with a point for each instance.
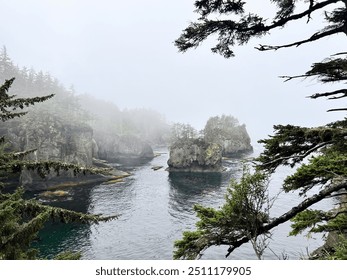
(319, 154)
(181, 132)
(219, 127)
(21, 219)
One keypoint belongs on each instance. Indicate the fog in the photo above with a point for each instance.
(123, 52)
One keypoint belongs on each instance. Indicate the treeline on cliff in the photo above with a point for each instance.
(75, 128)
(67, 105)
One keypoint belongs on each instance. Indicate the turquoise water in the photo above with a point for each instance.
(155, 207)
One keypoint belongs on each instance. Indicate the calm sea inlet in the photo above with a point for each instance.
(155, 207)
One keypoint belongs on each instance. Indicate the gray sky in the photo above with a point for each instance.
(123, 51)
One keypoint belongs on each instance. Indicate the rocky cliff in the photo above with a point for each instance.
(195, 156)
(56, 140)
(227, 132)
(53, 140)
(115, 148)
(236, 143)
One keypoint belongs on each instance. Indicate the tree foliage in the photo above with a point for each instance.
(9, 103)
(181, 132)
(220, 127)
(21, 219)
(241, 25)
(319, 154)
(244, 213)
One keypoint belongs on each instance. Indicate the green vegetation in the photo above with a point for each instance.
(245, 211)
(220, 128)
(22, 219)
(181, 132)
(319, 154)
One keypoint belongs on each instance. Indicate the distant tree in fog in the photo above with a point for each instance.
(182, 132)
(221, 127)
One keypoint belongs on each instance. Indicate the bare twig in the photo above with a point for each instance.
(314, 37)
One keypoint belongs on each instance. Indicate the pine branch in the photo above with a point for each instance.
(338, 194)
(38, 214)
(64, 215)
(330, 93)
(340, 53)
(338, 109)
(45, 167)
(20, 155)
(291, 213)
(25, 230)
(307, 12)
(8, 116)
(24, 102)
(313, 38)
(249, 25)
(297, 157)
(331, 217)
(5, 87)
(310, 8)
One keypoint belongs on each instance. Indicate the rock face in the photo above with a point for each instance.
(237, 142)
(57, 140)
(117, 148)
(233, 138)
(131, 146)
(54, 141)
(195, 156)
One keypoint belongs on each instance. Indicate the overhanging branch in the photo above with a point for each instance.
(343, 93)
(314, 37)
(307, 12)
(291, 213)
(297, 157)
(338, 109)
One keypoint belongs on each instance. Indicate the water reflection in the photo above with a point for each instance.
(155, 208)
(57, 237)
(188, 183)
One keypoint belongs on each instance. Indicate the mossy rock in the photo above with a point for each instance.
(57, 193)
(111, 182)
(155, 168)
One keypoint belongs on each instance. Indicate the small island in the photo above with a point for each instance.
(203, 152)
